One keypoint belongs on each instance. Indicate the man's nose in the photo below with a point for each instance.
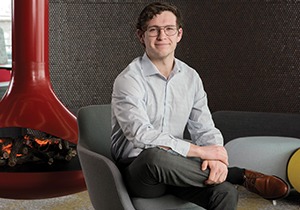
(161, 33)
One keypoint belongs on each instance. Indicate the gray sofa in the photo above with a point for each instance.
(260, 141)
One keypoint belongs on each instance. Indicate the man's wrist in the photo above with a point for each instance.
(195, 151)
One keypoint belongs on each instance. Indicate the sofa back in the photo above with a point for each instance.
(234, 124)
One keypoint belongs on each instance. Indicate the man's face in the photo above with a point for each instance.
(162, 45)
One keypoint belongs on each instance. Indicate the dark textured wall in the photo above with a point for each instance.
(247, 52)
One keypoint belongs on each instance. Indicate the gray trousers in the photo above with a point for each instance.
(156, 172)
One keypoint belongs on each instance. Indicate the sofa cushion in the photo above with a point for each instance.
(266, 154)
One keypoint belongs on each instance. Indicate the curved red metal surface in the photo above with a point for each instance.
(30, 101)
(40, 185)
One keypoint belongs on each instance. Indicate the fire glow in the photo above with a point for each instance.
(28, 149)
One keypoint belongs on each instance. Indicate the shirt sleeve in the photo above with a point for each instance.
(200, 125)
(129, 109)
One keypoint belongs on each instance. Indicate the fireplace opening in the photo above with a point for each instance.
(37, 165)
(35, 147)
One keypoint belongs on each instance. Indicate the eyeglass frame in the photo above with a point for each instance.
(159, 28)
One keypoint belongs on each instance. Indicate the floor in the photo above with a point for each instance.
(250, 201)
(80, 201)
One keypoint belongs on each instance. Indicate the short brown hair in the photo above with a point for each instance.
(154, 9)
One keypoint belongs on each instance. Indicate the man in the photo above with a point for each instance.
(153, 100)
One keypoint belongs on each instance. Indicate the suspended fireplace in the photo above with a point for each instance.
(30, 103)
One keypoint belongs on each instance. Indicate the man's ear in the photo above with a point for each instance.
(179, 35)
(140, 35)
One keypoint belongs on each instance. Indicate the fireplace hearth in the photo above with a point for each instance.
(32, 168)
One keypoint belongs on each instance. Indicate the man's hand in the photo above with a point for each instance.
(210, 152)
(218, 171)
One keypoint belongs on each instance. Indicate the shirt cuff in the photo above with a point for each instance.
(182, 147)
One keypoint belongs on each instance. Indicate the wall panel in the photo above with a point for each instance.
(246, 52)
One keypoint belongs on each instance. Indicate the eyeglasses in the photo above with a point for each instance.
(155, 30)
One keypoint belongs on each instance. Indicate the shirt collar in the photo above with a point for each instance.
(150, 69)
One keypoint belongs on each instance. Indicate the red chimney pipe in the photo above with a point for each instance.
(30, 101)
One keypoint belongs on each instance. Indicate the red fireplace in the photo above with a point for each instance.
(31, 103)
